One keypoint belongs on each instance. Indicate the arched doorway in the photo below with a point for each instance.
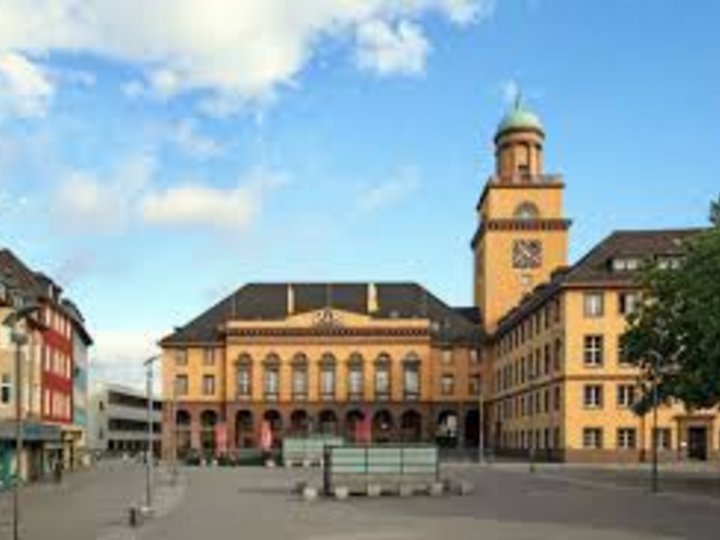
(183, 437)
(299, 423)
(208, 444)
(411, 426)
(353, 423)
(328, 422)
(244, 432)
(446, 431)
(382, 426)
(274, 420)
(472, 428)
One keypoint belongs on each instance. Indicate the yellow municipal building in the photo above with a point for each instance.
(538, 351)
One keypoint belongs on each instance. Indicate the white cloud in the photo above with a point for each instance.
(389, 192)
(185, 135)
(86, 202)
(25, 88)
(236, 50)
(199, 205)
(389, 50)
(117, 355)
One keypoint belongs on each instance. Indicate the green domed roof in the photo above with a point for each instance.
(519, 118)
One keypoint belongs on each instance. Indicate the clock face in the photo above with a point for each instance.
(527, 253)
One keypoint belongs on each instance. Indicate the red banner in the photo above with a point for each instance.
(266, 436)
(221, 438)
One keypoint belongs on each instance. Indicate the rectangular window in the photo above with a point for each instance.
(355, 381)
(209, 356)
(243, 380)
(592, 438)
(593, 351)
(628, 302)
(327, 381)
(181, 357)
(411, 381)
(447, 384)
(382, 381)
(622, 358)
(447, 357)
(626, 438)
(625, 395)
(556, 398)
(557, 354)
(5, 389)
(208, 385)
(272, 382)
(593, 304)
(547, 359)
(662, 438)
(181, 385)
(299, 382)
(593, 396)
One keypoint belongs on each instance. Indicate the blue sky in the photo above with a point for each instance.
(152, 168)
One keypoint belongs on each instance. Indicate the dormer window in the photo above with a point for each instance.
(625, 264)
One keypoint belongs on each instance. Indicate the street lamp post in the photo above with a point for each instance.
(654, 480)
(481, 422)
(19, 339)
(150, 435)
(533, 410)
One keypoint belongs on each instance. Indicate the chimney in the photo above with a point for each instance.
(372, 299)
(290, 299)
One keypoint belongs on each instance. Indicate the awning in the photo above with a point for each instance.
(32, 432)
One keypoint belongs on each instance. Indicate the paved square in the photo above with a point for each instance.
(508, 503)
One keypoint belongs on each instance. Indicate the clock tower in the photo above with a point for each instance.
(522, 234)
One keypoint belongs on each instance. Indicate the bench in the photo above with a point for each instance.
(371, 470)
(304, 451)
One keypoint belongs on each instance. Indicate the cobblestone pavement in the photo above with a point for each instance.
(507, 503)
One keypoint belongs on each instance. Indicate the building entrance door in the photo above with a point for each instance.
(697, 442)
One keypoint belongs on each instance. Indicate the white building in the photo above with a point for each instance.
(117, 420)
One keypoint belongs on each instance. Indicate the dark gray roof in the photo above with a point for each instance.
(35, 286)
(595, 268)
(268, 301)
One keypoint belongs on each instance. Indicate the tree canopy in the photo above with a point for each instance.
(676, 329)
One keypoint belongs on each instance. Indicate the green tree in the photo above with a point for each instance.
(675, 334)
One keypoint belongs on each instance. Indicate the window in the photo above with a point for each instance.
(411, 378)
(592, 437)
(593, 396)
(299, 381)
(327, 378)
(447, 384)
(662, 438)
(474, 385)
(628, 302)
(557, 356)
(593, 351)
(593, 304)
(272, 380)
(625, 264)
(556, 398)
(181, 357)
(382, 377)
(546, 359)
(244, 376)
(208, 387)
(355, 379)
(5, 389)
(526, 210)
(209, 356)
(626, 438)
(669, 262)
(181, 385)
(447, 357)
(625, 395)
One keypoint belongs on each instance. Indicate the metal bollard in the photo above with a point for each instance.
(135, 516)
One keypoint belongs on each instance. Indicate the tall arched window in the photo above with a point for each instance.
(526, 210)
